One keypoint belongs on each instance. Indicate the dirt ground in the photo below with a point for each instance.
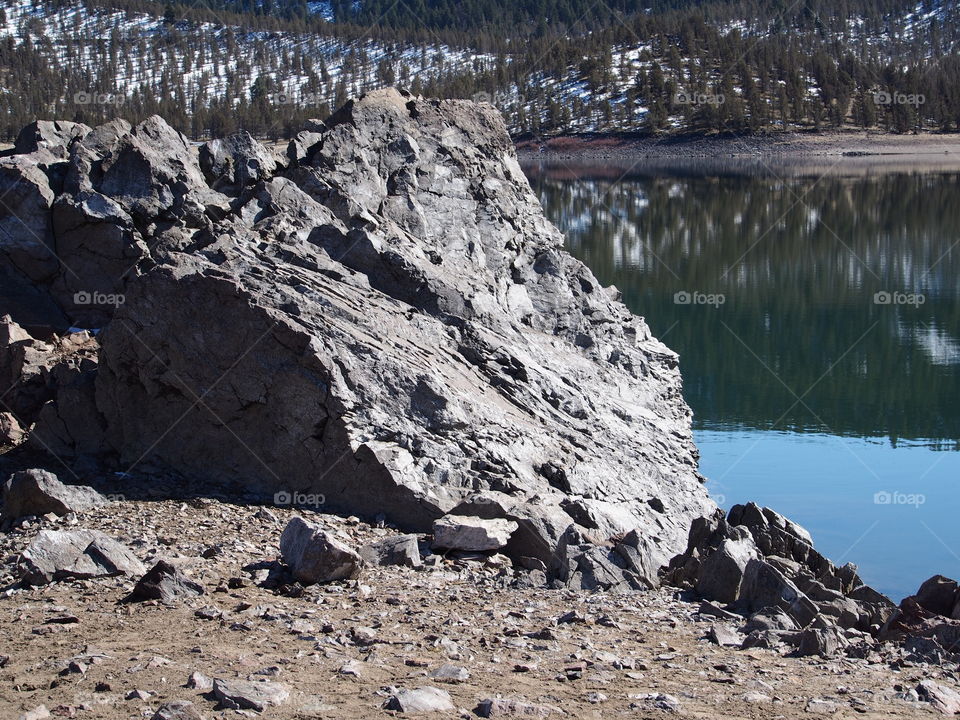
(342, 648)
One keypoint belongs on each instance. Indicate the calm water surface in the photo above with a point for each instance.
(816, 315)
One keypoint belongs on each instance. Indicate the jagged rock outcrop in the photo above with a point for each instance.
(383, 317)
(765, 567)
(928, 621)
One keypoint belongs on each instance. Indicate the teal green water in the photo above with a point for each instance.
(818, 326)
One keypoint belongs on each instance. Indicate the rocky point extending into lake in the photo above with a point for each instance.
(378, 324)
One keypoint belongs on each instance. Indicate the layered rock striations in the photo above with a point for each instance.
(380, 315)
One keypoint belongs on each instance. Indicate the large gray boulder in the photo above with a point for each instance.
(38, 492)
(390, 322)
(76, 554)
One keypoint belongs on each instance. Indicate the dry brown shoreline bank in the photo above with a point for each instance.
(853, 147)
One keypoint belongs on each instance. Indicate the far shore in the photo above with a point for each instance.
(849, 148)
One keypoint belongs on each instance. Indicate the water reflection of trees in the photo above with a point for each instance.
(799, 261)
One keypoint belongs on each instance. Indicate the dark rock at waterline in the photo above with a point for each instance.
(765, 567)
(388, 321)
(930, 618)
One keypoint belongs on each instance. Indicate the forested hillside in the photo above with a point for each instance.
(552, 66)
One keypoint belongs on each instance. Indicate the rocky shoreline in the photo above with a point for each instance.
(318, 428)
(224, 629)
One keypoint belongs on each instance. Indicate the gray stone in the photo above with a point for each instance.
(448, 673)
(420, 700)
(400, 550)
(165, 582)
(724, 636)
(938, 595)
(772, 618)
(10, 431)
(507, 707)
(315, 555)
(199, 681)
(944, 699)
(48, 134)
(248, 695)
(177, 710)
(38, 492)
(64, 554)
(234, 162)
(822, 642)
(456, 532)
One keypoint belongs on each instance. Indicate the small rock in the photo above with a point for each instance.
(944, 699)
(138, 694)
(199, 681)
(756, 698)
(815, 641)
(314, 555)
(420, 700)
(402, 550)
(450, 674)
(505, 707)
(38, 713)
(658, 701)
(177, 710)
(821, 706)
(245, 695)
(11, 432)
(724, 636)
(166, 583)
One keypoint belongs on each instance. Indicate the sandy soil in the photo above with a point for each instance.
(397, 625)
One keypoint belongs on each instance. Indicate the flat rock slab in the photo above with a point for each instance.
(455, 532)
(505, 707)
(315, 555)
(420, 700)
(177, 710)
(246, 695)
(942, 698)
(64, 554)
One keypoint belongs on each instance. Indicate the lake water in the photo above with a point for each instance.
(815, 311)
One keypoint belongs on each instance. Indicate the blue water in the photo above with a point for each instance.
(814, 391)
(891, 510)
